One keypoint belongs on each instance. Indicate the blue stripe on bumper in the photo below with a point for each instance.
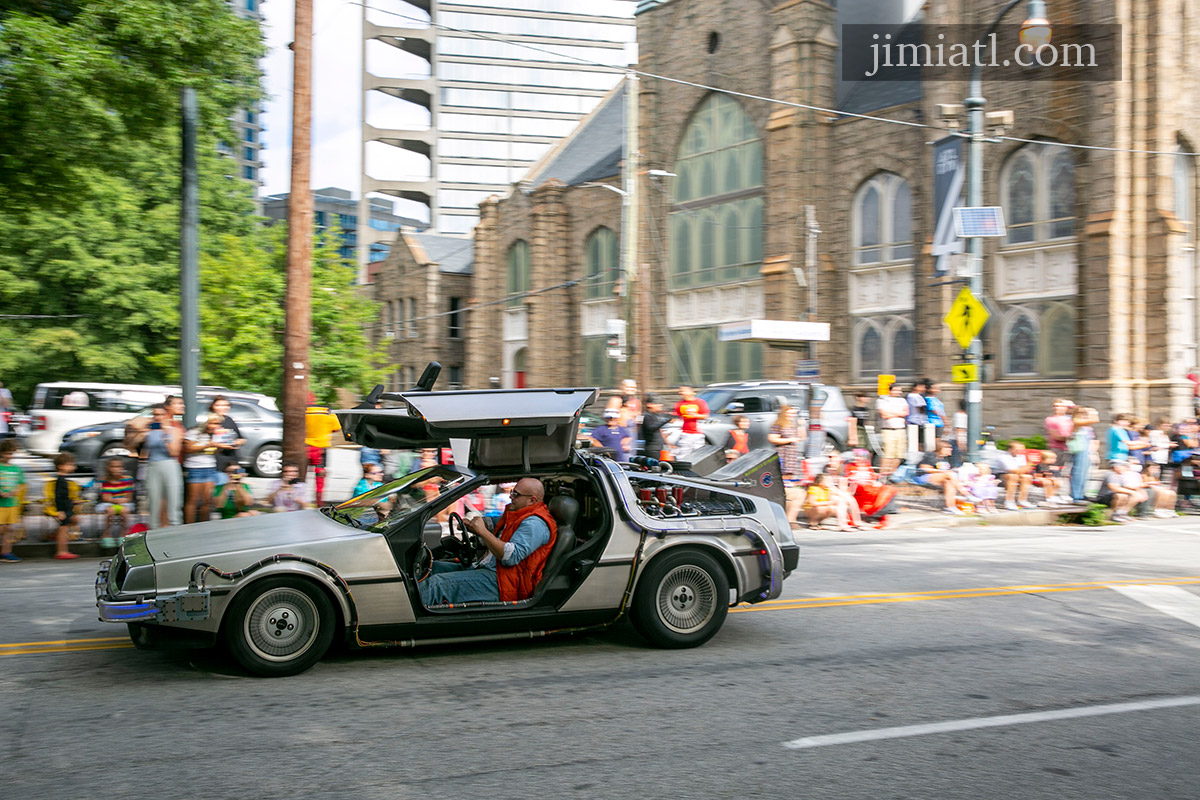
(126, 612)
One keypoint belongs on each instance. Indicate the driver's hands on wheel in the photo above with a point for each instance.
(477, 525)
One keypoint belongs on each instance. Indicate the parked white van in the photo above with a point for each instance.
(62, 406)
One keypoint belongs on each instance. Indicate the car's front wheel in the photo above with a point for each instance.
(279, 626)
(144, 637)
(268, 461)
(681, 599)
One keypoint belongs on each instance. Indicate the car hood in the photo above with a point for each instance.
(206, 539)
(99, 427)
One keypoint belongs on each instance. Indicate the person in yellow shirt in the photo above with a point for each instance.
(319, 426)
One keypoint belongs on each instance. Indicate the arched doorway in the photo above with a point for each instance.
(519, 369)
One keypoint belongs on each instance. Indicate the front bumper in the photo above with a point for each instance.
(189, 605)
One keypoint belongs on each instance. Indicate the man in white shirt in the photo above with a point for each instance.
(892, 408)
(1018, 475)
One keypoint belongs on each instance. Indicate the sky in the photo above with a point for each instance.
(337, 97)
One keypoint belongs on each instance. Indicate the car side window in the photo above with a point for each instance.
(753, 404)
(243, 413)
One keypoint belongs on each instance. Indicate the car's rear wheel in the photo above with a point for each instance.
(268, 461)
(114, 449)
(681, 599)
(279, 626)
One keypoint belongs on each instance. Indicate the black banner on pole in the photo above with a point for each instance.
(949, 174)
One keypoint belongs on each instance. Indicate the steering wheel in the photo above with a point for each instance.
(460, 543)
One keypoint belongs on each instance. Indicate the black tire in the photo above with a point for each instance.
(279, 626)
(144, 637)
(681, 599)
(267, 461)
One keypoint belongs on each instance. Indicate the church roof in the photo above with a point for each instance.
(590, 152)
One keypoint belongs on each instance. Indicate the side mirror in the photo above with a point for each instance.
(431, 534)
(735, 408)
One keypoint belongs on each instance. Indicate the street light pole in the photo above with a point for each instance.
(629, 220)
(1038, 28)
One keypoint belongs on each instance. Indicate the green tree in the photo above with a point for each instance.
(80, 80)
(242, 317)
(89, 210)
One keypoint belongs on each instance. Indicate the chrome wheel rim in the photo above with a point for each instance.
(687, 599)
(269, 462)
(282, 624)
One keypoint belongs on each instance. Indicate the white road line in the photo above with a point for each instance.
(987, 722)
(1174, 601)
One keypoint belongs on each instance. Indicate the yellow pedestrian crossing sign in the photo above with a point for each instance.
(966, 318)
(964, 373)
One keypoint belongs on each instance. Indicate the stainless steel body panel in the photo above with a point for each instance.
(725, 536)
(233, 545)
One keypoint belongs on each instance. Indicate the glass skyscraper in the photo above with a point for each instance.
(247, 124)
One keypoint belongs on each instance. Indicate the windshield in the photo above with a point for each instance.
(715, 399)
(383, 506)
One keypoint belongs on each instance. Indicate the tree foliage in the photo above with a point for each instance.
(89, 203)
(83, 80)
(242, 317)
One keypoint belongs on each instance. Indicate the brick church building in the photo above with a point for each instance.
(1093, 292)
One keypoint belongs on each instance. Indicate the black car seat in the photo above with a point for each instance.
(565, 510)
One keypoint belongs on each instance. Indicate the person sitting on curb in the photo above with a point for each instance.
(818, 504)
(1116, 494)
(1049, 471)
(234, 497)
(1018, 475)
(289, 492)
(1160, 501)
(935, 471)
(116, 501)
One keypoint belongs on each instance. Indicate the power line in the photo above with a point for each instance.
(748, 96)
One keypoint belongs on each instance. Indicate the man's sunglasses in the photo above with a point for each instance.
(515, 495)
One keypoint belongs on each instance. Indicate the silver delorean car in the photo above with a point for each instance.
(672, 551)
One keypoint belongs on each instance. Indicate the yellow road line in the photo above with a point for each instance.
(81, 649)
(1089, 584)
(66, 641)
(915, 597)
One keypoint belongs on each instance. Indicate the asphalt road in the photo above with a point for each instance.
(981, 663)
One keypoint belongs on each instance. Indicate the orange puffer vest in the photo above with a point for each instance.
(518, 582)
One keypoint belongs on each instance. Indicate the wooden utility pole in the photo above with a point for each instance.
(298, 299)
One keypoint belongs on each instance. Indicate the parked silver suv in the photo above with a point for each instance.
(759, 401)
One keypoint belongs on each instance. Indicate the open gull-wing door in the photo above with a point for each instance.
(518, 428)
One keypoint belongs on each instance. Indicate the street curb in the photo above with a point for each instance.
(917, 519)
(45, 550)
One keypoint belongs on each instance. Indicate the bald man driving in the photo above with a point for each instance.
(516, 554)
